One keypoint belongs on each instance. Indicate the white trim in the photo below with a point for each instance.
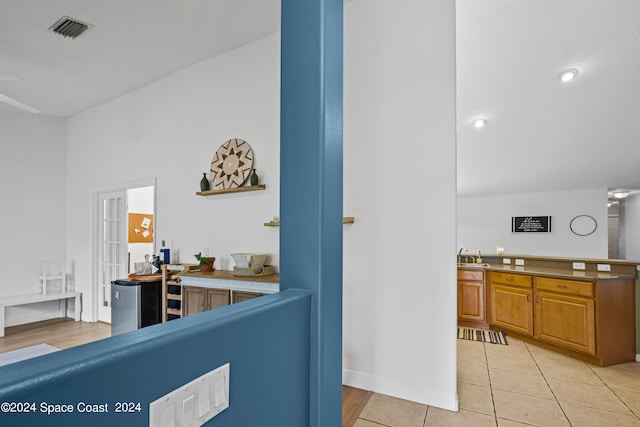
(147, 182)
(415, 393)
(637, 357)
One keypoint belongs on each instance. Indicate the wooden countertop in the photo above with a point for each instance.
(553, 272)
(228, 275)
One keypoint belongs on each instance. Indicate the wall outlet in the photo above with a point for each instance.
(604, 267)
(506, 260)
(519, 262)
(578, 266)
(193, 403)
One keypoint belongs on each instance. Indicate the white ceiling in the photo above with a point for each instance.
(542, 135)
(132, 43)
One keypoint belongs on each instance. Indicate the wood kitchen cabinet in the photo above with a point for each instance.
(592, 320)
(471, 298)
(197, 299)
(510, 302)
(565, 313)
(239, 296)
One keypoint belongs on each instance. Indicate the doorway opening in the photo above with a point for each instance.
(125, 235)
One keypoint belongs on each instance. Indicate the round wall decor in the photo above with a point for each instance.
(232, 164)
(583, 225)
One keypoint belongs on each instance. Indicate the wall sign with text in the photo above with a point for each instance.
(531, 224)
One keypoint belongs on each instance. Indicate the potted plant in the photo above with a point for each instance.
(206, 263)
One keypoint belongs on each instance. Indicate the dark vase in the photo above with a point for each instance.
(254, 178)
(204, 182)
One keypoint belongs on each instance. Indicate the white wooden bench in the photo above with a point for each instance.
(35, 298)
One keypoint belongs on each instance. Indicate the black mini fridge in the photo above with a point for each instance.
(135, 305)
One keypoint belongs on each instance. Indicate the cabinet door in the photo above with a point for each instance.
(193, 300)
(511, 308)
(239, 296)
(217, 298)
(567, 321)
(471, 300)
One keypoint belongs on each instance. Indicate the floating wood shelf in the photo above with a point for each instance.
(345, 220)
(232, 190)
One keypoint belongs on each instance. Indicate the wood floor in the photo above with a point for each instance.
(61, 332)
(353, 402)
(65, 333)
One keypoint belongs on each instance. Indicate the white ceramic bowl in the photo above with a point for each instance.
(246, 260)
(241, 260)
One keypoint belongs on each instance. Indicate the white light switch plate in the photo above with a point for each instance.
(578, 266)
(604, 267)
(519, 262)
(506, 260)
(194, 403)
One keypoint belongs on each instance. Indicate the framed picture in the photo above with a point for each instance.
(531, 224)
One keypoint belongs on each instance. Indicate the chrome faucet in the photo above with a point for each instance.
(463, 249)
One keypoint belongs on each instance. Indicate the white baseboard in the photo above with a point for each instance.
(414, 393)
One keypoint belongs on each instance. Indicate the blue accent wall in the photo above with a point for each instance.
(266, 340)
(311, 186)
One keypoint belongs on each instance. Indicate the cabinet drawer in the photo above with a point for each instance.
(519, 280)
(470, 275)
(572, 287)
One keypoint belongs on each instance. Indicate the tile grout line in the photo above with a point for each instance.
(374, 422)
(426, 414)
(547, 383)
(612, 391)
(493, 401)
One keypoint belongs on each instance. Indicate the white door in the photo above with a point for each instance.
(112, 247)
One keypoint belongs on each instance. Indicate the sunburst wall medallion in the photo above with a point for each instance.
(232, 164)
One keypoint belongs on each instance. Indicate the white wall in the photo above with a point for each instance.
(399, 323)
(170, 130)
(33, 213)
(399, 183)
(485, 222)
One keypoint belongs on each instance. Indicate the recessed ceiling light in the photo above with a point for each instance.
(479, 123)
(568, 75)
(620, 194)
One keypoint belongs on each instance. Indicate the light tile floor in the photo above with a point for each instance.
(522, 385)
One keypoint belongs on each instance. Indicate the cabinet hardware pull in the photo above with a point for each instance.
(563, 286)
(538, 299)
(528, 297)
(509, 279)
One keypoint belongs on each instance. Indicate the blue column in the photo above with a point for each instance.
(311, 187)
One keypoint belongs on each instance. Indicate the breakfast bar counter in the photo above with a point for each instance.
(225, 279)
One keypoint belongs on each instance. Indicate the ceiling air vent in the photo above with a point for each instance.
(69, 27)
